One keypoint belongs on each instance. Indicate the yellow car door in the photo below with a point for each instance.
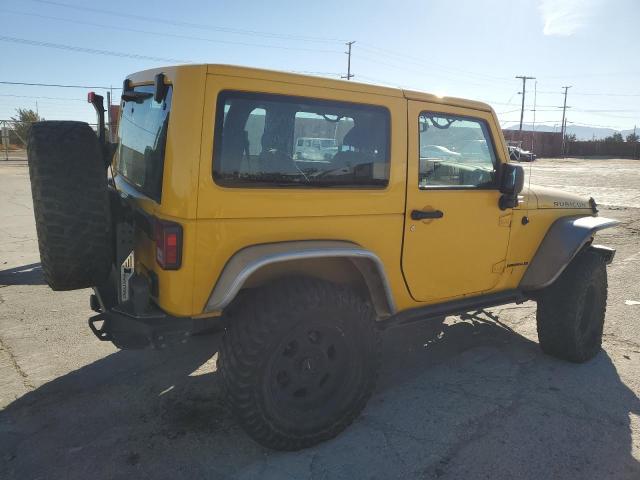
(455, 235)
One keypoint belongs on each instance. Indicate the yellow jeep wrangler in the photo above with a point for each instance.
(202, 210)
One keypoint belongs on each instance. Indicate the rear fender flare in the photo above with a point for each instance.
(244, 263)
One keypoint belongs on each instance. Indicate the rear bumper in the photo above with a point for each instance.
(128, 330)
(138, 322)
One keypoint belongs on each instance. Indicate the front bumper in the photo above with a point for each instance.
(607, 253)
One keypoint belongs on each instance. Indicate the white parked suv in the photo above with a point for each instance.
(308, 148)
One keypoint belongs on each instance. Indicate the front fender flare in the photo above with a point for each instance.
(249, 260)
(564, 239)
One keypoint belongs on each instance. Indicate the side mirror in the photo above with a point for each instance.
(511, 184)
(512, 180)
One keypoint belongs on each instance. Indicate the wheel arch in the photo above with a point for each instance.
(566, 237)
(338, 261)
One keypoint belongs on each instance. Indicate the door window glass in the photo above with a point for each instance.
(455, 152)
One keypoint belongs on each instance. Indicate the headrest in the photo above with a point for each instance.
(364, 136)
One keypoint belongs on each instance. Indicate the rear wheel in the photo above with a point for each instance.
(70, 203)
(300, 360)
(571, 311)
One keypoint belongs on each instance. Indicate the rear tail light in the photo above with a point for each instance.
(168, 237)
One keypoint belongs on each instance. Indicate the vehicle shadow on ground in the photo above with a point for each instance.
(24, 275)
(456, 399)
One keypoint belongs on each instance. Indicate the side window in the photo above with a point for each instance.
(264, 140)
(455, 152)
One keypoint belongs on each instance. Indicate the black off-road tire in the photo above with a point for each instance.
(571, 311)
(70, 203)
(300, 359)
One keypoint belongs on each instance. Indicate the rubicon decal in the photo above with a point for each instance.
(518, 264)
(569, 204)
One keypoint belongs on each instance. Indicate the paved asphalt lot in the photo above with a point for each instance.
(456, 399)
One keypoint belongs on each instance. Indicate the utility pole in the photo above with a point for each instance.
(524, 87)
(348, 52)
(564, 111)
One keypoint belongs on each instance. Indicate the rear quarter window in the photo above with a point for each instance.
(264, 140)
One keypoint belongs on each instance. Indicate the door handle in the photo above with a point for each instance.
(426, 214)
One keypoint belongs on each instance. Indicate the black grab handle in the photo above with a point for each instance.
(424, 214)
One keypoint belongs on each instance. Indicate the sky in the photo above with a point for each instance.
(464, 48)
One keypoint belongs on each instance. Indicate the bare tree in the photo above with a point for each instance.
(22, 122)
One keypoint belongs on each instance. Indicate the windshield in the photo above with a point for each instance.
(142, 139)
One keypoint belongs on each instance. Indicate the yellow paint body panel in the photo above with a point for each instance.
(476, 248)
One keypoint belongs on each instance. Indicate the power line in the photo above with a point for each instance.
(36, 121)
(372, 48)
(591, 74)
(596, 94)
(200, 26)
(430, 65)
(421, 71)
(555, 122)
(306, 72)
(39, 97)
(167, 34)
(592, 125)
(59, 46)
(57, 85)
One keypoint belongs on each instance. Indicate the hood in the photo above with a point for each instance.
(553, 198)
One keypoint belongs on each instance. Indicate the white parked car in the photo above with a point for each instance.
(437, 151)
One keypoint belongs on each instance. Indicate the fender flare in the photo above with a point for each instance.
(564, 239)
(249, 260)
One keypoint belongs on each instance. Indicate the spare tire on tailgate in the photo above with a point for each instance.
(70, 203)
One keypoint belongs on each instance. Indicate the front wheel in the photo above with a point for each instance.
(299, 360)
(571, 311)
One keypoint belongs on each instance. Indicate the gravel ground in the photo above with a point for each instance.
(459, 398)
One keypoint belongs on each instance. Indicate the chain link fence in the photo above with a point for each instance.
(13, 141)
(13, 138)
